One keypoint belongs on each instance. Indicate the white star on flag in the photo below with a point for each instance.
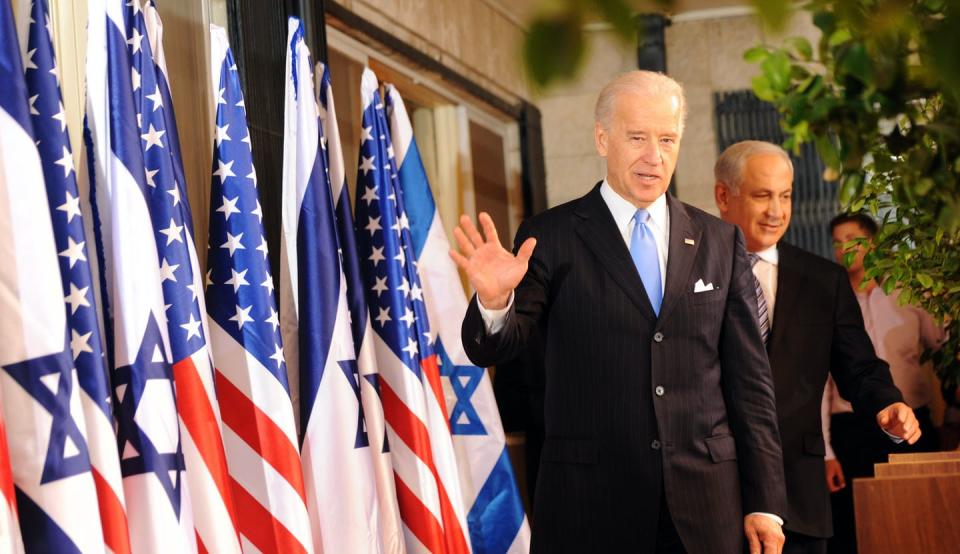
(407, 316)
(233, 243)
(166, 271)
(66, 162)
(192, 327)
(376, 256)
(229, 207)
(150, 173)
(74, 251)
(366, 164)
(175, 193)
(33, 108)
(273, 319)
(222, 134)
(79, 343)
(77, 298)
(370, 195)
(135, 41)
(373, 226)
(258, 211)
(173, 232)
(237, 279)
(380, 286)
(384, 316)
(411, 348)
(224, 170)
(268, 284)
(243, 316)
(71, 206)
(366, 134)
(28, 64)
(263, 247)
(156, 98)
(278, 356)
(152, 136)
(61, 116)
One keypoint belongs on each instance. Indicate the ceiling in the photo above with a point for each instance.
(523, 10)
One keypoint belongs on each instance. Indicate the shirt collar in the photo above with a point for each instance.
(623, 211)
(770, 255)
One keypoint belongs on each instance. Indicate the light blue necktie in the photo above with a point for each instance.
(643, 250)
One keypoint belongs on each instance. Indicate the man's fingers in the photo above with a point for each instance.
(466, 247)
(770, 544)
(459, 259)
(754, 540)
(914, 437)
(466, 224)
(489, 229)
(526, 249)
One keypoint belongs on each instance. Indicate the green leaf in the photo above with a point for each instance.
(756, 54)
(850, 188)
(777, 70)
(888, 286)
(839, 37)
(772, 12)
(802, 47)
(761, 87)
(925, 280)
(856, 62)
(848, 258)
(553, 49)
(825, 21)
(828, 152)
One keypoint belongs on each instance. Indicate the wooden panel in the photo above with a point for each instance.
(924, 457)
(906, 469)
(907, 514)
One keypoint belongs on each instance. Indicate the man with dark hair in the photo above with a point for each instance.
(899, 335)
(811, 326)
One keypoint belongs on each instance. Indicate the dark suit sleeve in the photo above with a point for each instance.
(862, 379)
(529, 304)
(749, 394)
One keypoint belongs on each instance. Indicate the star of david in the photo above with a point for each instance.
(138, 453)
(350, 370)
(464, 380)
(49, 380)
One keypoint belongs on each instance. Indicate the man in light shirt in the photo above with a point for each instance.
(658, 404)
(900, 334)
(813, 327)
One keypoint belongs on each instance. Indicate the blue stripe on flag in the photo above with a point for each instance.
(13, 93)
(497, 513)
(417, 197)
(40, 533)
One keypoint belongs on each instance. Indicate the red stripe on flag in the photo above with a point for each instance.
(6, 472)
(259, 526)
(430, 368)
(256, 428)
(112, 516)
(418, 517)
(412, 431)
(194, 407)
(201, 549)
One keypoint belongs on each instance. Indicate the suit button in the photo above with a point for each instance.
(658, 337)
(655, 444)
(659, 390)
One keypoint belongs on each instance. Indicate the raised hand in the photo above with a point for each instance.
(492, 270)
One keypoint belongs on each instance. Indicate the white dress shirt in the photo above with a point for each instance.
(659, 224)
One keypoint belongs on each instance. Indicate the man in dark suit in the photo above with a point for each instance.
(812, 325)
(659, 410)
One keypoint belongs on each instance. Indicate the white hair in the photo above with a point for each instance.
(645, 83)
(729, 167)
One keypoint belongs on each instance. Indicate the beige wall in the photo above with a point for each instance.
(704, 52)
(476, 38)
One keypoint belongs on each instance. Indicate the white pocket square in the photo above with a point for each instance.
(700, 287)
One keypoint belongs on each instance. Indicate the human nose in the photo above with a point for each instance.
(650, 154)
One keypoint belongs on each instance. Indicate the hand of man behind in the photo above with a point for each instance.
(898, 420)
(764, 535)
(835, 479)
(492, 270)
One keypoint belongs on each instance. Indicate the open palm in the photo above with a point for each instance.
(492, 270)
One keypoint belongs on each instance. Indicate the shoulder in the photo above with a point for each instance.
(810, 262)
(553, 220)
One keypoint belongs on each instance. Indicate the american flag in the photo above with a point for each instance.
(39, 396)
(213, 512)
(337, 464)
(495, 510)
(363, 340)
(259, 430)
(159, 513)
(428, 488)
(49, 122)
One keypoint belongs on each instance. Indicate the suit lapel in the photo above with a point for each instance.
(789, 282)
(681, 255)
(599, 232)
